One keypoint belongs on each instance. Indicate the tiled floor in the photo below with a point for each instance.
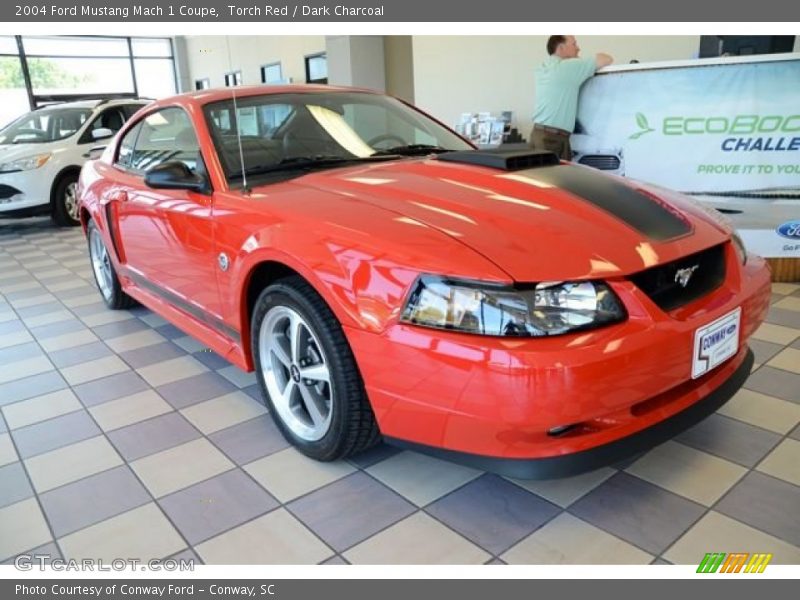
(121, 437)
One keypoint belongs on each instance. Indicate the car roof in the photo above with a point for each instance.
(216, 94)
(90, 104)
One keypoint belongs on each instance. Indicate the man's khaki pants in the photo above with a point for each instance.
(551, 140)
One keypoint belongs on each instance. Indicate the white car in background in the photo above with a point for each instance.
(42, 152)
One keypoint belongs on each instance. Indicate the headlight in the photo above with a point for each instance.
(550, 308)
(741, 251)
(27, 163)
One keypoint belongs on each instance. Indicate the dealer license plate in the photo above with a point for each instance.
(715, 343)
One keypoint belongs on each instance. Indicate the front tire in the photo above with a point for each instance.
(105, 276)
(65, 202)
(308, 374)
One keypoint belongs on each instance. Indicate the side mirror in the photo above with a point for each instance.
(175, 175)
(102, 133)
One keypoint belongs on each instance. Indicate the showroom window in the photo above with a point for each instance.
(202, 84)
(233, 78)
(272, 73)
(317, 68)
(35, 70)
(165, 135)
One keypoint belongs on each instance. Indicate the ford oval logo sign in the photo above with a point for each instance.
(790, 229)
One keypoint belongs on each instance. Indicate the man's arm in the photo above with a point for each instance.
(603, 60)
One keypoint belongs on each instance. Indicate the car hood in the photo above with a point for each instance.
(546, 223)
(9, 152)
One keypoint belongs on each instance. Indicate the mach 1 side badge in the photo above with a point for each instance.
(682, 276)
(224, 263)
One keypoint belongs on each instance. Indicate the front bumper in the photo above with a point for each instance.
(500, 398)
(25, 192)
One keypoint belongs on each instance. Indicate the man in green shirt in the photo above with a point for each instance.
(558, 80)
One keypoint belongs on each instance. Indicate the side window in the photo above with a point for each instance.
(126, 146)
(165, 135)
(111, 118)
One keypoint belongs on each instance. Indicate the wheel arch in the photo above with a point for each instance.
(68, 170)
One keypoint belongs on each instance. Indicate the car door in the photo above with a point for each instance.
(165, 235)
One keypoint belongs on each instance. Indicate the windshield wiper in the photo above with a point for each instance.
(412, 150)
(308, 163)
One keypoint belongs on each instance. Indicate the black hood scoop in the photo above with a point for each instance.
(505, 160)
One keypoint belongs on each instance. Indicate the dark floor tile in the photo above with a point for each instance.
(248, 441)
(150, 355)
(731, 439)
(14, 484)
(91, 309)
(660, 561)
(784, 316)
(79, 354)
(185, 557)
(20, 352)
(216, 505)
(350, 510)
(112, 330)
(373, 456)
(775, 382)
(638, 512)
(153, 435)
(492, 512)
(43, 554)
(254, 391)
(30, 387)
(195, 389)
(83, 290)
(93, 499)
(495, 561)
(11, 326)
(764, 350)
(25, 294)
(54, 433)
(766, 503)
(211, 359)
(48, 331)
(795, 433)
(335, 560)
(169, 331)
(110, 388)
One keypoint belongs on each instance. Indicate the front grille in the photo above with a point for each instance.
(604, 162)
(7, 191)
(662, 285)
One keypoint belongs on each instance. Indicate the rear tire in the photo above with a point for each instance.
(105, 276)
(308, 374)
(65, 201)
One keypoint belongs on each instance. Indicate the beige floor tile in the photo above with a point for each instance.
(20, 287)
(49, 318)
(84, 300)
(94, 369)
(288, 474)
(787, 359)
(225, 411)
(181, 466)
(22, 527)
(754, 367)
(129, 410)
(63, 286)
(24, 368)
(171, 370)
(564, 492)
(33, 300)
(134, 341)
(782, 288)
(718, 533)
(419, 478)
(106, 317)
(142, 533)
(790, 303)
(237, 377)
(763, 411)
(40, 408)
(687, 472)
(419, 539)
(68, 340)
(7, 452)
(57, 467)
(568, 540)
(777, 334)
(275, 538)
(15, 338)
(6, 316)
(783, 462)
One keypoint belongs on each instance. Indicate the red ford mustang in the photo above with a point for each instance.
(385, 279)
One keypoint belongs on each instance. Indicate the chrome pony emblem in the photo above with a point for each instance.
(682, 276)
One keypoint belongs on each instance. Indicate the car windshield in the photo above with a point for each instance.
(296, 132)
(46, 125)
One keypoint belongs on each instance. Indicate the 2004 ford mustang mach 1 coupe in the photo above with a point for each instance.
(385, 279)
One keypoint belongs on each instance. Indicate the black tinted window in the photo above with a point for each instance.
(165, 135)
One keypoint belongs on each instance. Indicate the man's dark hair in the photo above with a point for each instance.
(554, 41)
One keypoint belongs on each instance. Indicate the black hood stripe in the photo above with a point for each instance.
(638, 210)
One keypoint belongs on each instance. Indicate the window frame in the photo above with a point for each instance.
(263, 70)
(235, 75)
(307, 59)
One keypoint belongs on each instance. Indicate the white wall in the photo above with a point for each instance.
(455, 74)
(207, 56)
(356, 60)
